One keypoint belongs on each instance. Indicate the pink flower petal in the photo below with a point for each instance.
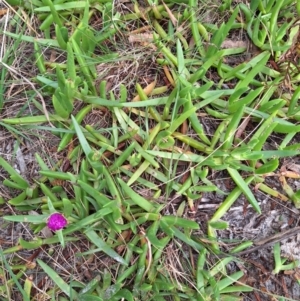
(56, 221)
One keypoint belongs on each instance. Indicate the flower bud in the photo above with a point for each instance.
(56, 221)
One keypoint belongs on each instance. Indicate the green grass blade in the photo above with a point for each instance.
(136, 198)
(58, 280)
(95, 239)
(83, 142)
(239, 181)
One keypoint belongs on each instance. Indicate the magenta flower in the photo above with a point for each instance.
(56, 221)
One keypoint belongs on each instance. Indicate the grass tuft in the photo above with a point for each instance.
(129, 116)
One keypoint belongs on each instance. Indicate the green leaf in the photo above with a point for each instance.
(31, 39)
(27, 218)
(18, 199)
(263, 58)
(65, 6)
(83, 142)
(220, 35)
(89, 298)
(177, 122)
(136, 104)
(239, 181)
(90, 286)
(180, 157)
(65, 288)
(270, 166)
(136, 198)
(232, 127)
(14, 277)
(186, 239)
(124, 294)
(61, 238)
(95, 239)
(17, 178)
(14, 185)
(226, 281)
(30, 245)
(60, 110)
(270, 154)
(172, 220)
(218, 224)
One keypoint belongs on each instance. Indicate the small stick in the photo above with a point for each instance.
(258, 244)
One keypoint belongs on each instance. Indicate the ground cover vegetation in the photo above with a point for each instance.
(117, 119)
